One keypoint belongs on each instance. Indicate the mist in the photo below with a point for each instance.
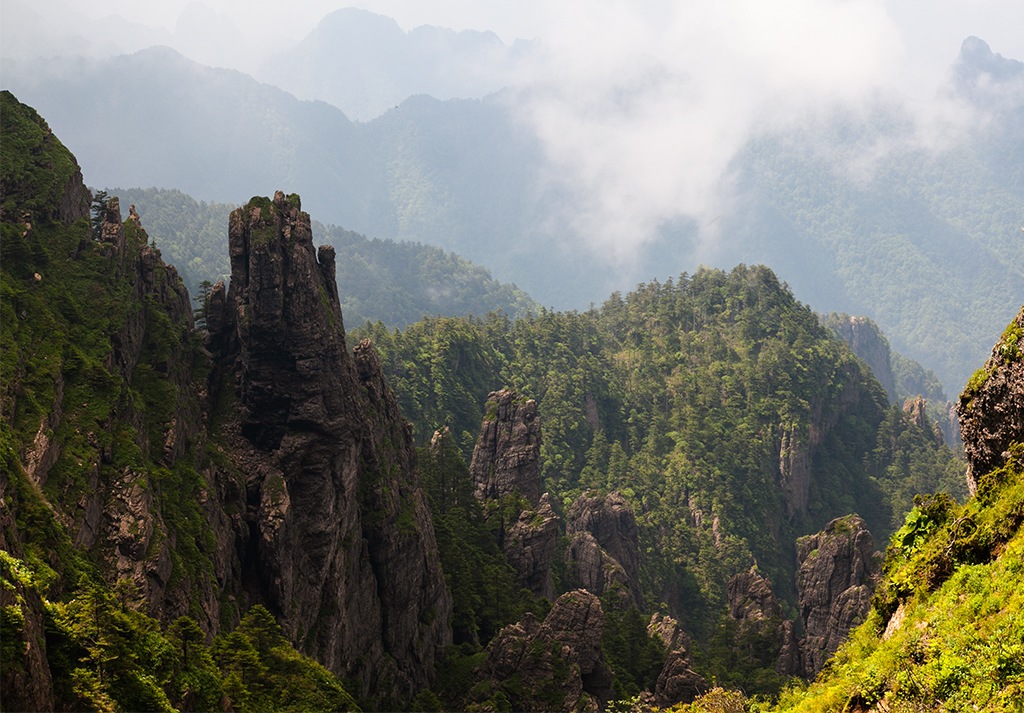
(640, 107)
(642, 113)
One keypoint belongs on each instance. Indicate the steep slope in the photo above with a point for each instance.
(905, 380)
(947, 631)
(270, 466)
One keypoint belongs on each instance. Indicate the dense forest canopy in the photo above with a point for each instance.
(682, 395)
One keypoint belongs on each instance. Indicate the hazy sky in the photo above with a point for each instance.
(640, 104)
(922, 33)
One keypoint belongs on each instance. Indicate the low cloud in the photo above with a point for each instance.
(641, 112)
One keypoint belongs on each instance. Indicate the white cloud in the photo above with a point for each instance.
(641, 112)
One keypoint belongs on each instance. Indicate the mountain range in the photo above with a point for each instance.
(854, 210)
(237, 516)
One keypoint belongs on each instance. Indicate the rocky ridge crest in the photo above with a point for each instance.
(991, 407)
(334, 535)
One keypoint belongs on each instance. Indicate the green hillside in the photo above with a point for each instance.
(682, 395)
(396, 283)
(99, 359)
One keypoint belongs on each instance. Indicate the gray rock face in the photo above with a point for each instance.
(506, 466)
(558, 662)
(530, 544)
(335, 538)
(506, 458)
(117, 517)
(991, 407)
(838, 572)
(867, 342)
(603, 552)
(677, 682)
(752, 604)
(28, 686)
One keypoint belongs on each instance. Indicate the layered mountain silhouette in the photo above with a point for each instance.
(918, 236)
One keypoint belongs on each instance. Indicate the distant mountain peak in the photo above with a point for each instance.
(980, 74)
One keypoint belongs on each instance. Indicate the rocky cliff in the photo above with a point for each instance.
(556, 664)
(991, 407)
(866, 340)
(839, 568)
(332, 533)
(505, 470)
(677, 681)
(117, 407)
(603, 553)
(752, 604)
(506, 459)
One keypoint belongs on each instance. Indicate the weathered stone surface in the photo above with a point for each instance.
(603, 552)
(677, 682)
(991, 407)
(335, 538)
(117, 517)
(28, 686)
(752, 604)
(530, 544)
(866, 340)
(799, 443)
(557, 664)
(795, 468)
(506, 466)
(506, 459)
(916, 410)
(838, 572)
(751, 598)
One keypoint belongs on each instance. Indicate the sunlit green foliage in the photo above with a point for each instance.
(947, 628)
(103, 654)
(679, 395)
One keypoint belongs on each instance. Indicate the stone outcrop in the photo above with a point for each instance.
(506, 459)
(27, 685)
(556, 664)
(116, 516)
(866, 340)
(752, 604)
(506, 467)
(530, 544)
(799, 442)
(991, 407)
(916, 410)
(677, 682)
(839, 569)
(603, 552)
(332, 532)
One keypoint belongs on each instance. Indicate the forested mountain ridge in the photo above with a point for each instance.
(147, 504)
(946, 630)
(856, 211)
(378, 280)
(185, 510)
(717, 397)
